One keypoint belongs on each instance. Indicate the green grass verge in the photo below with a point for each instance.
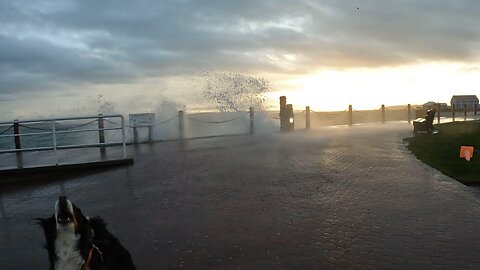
(442, 150)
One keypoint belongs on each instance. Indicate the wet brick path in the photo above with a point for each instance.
(335, 198)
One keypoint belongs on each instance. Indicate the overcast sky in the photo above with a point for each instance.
(67, 48)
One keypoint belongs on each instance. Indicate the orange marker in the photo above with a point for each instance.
(466, 152)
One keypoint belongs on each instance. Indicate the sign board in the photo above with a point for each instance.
(142, 119)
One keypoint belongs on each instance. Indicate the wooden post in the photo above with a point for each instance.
(307, 117)
(383, 114)
(150, 134)
(252, 123)
(101, 134)
(350, 115)
(283, 113)
(16, 132)
(465, 112)
(453, 112)
(135, 135)
(181, 125)
(409, 116)
(438, 113)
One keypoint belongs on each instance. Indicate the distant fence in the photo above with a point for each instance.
(383, 114)
(183, 125)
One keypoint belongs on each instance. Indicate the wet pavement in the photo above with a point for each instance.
(333, 198)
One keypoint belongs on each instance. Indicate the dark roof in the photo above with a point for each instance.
(465, 98)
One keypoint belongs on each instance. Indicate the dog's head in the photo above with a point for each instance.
(66, 216)
(67, 219)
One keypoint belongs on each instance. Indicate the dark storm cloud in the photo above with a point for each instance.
(59, 43)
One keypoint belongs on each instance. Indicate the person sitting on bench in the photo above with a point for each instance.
(424, 124)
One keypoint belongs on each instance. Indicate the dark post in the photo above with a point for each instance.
(16, 132)
(181, 125)
(101, 134)
(438, 113)
(283, 113)
(409, 109)
(453, 112)
(475, 105)
(350, 115)
(252, 123)
(135, 135)
(383, 114)
(307, 117)
(150, 134)
(465, 112)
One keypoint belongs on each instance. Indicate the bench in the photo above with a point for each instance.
(424, 124)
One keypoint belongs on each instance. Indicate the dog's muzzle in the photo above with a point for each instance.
(63, 211)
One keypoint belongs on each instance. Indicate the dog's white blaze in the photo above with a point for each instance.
(70, 210)
(69, 257)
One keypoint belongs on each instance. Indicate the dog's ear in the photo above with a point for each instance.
(46, 223)
(49, 228)
(79, 215)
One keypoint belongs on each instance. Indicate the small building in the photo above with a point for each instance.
(462, 101)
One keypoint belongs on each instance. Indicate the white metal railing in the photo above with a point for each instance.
(52, 130)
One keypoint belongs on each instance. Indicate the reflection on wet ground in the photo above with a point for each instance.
(344, 197)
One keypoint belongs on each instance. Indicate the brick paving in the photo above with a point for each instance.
(332, 198)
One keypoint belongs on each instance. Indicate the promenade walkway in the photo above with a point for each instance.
(332, 198)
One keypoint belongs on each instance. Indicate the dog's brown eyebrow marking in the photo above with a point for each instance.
(74, 217)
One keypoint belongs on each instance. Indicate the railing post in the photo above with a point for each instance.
(438, 113)
(409, 116)
(101, 134)
(350, 115)
(307, 117)
(465, 112)
(283, 113)
(124, 140)
(453, 112)
(475, 108)
(16, 132)
(135, 135)
(252, 119)
(181, 125)
(54, 137)
(150, 134)
(383, 113)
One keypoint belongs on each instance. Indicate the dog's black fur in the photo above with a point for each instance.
(93, 232)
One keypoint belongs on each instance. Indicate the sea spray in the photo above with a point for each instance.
(91, 105)
(235, 91)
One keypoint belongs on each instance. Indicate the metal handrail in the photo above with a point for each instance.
(26, 134)
(86, 130)
(53, 122)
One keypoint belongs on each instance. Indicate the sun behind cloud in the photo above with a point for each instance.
(364, 88)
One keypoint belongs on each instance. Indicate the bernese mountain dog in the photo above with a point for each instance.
(75, 242)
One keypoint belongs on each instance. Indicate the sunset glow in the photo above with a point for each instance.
(369, 88)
